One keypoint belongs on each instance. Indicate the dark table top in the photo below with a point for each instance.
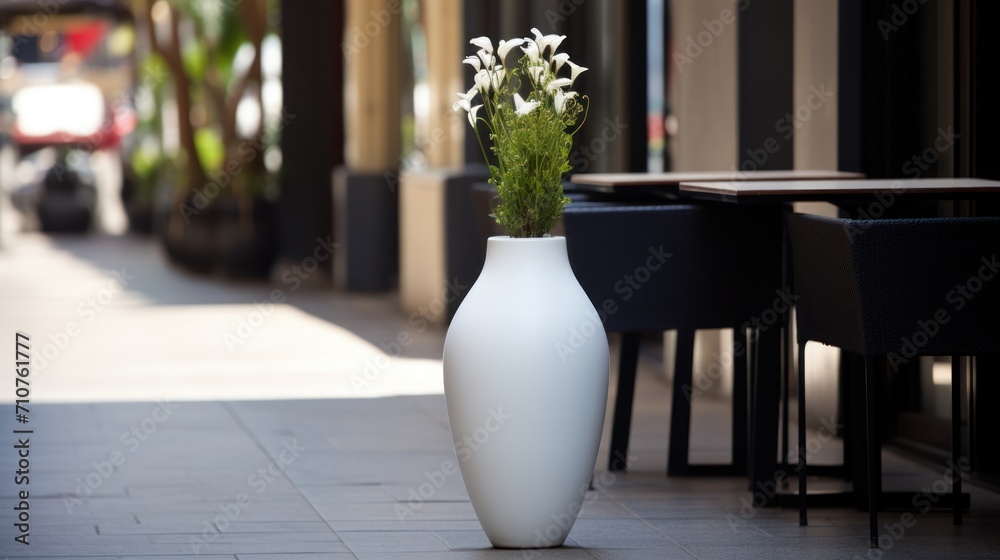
(838, 190)
(669, 183)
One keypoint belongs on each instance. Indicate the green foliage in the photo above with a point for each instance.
(195, 59)
(211, 150)
(152, 69)
(145, 163)
(233, 37)
(530, 137)
(532, 156)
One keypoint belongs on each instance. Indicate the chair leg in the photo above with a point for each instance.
(803, 516)
(754, 349)
(741, 424)
(956, 436)
(874, 451)
(621, 423)
(786, 373)
(680, 410)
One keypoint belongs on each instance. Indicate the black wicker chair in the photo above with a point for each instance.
(866, 286)
(714, 278)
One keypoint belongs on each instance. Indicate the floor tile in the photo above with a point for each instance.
(269, 453)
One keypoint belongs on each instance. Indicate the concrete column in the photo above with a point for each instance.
(365, 199)
(445, 50)
(441, 250)
(815, 64)
(703, 85)
(312, 144)
(372, 94)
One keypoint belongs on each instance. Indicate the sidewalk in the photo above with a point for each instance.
(170, 335)
(154, 439)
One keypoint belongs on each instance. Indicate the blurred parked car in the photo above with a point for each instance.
(67, 72)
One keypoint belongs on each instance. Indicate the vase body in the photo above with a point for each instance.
(526, 382)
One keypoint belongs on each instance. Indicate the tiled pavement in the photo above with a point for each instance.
(272, 451)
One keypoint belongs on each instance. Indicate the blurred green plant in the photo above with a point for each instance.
(211, 51)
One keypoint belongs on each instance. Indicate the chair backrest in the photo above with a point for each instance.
(923, 286)
(658, 267)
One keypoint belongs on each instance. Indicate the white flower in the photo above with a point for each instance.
(518, 101)
(531, 49)
(461, 104)
(558, 61)
(488, 80)
(469, 95)
(522, 107)
(472, 115)
(483, 43)
(465, 99)
(472, 61)
(483, 81)
(536, 73)
(575, 70)
(487, 57)
(544, 41)
(561, 98)
(505, 47)
(557, 84)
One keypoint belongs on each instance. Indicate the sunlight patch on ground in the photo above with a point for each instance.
(170, 335)
(200, 352)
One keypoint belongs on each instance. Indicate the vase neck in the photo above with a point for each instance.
(535, 252)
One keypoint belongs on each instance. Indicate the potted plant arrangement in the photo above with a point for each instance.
(525, 362)
(143, 170)
(220, 218)
(69, 198)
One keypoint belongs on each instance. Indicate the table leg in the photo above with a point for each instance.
(622, 417)
(764, 463)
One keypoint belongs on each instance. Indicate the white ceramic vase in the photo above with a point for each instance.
(526, 381)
